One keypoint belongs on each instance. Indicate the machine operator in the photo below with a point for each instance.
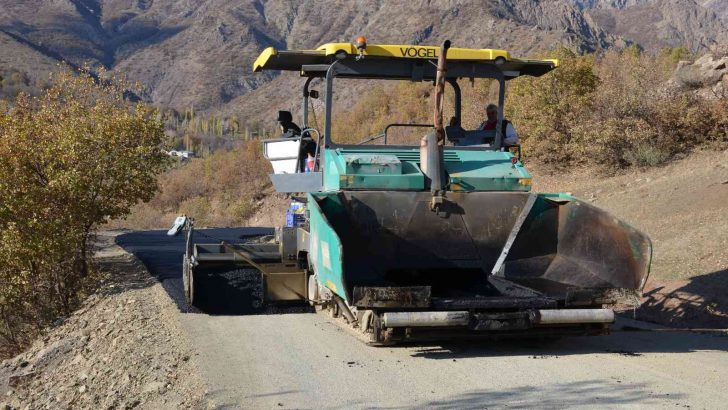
(509, 132)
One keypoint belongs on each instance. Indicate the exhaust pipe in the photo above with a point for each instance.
(571, 316)
(431, 145)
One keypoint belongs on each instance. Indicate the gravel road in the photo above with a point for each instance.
(303, 360)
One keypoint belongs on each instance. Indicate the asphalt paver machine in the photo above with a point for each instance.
(440, 237)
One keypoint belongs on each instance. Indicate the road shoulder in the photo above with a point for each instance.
(122, 349)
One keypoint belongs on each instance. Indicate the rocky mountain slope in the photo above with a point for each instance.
(720, 7)
(656, 23)
(198, 54)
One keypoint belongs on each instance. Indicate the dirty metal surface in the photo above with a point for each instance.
(508, 288)
(562, 246)
(390, 231)
(372, 164)
(514, 233)
(494, 303)
(392, 297)
(601, 296)
(393, 239)
(501, 321)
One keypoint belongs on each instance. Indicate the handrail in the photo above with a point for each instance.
(402, 125)
(386, 129)
(376, 137)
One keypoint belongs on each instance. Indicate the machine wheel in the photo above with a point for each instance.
(313, 292)
(333, 309)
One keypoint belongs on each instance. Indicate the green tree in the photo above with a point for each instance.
(70, 160)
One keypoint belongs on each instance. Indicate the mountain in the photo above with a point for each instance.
(720, 7)
(199, 53)
(657, 23)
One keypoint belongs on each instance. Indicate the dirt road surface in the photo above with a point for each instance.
(303, 360)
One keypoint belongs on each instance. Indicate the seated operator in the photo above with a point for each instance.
(289, 129)
(509, 133)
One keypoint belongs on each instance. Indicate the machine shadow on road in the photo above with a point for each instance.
(699, 301)
(627, 343)
(598, 393)
(229, 300)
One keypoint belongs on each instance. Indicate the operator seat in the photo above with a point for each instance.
(460, 137)
(291, 130)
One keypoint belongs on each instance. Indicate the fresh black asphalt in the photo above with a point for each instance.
(162, 256)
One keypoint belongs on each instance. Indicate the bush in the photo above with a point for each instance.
(646, 154)
(197, 206)
(14, 82)
(612, 111)
(219, 190)
(70, 159)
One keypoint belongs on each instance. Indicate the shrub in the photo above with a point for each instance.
(222, 189)
(197, 206)
(548, 111)
(241, 209)
(612, 111)
(70, 159)
(646, 154)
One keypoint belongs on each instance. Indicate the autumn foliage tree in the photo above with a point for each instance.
(71, 158)
(613, 110)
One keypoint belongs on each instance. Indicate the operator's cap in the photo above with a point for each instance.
(285, 116)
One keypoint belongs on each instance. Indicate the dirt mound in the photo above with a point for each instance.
(271, 210)
(122, 349)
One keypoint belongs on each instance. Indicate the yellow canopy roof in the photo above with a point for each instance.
(294, 60)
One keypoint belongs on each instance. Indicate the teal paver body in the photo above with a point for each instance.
(398, 169)
(381, 168)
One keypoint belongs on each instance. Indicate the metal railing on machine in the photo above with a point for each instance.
(386, 132)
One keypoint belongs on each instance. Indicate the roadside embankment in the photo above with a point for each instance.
(122, 349)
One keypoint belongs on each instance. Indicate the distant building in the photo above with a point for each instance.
(181, 154)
